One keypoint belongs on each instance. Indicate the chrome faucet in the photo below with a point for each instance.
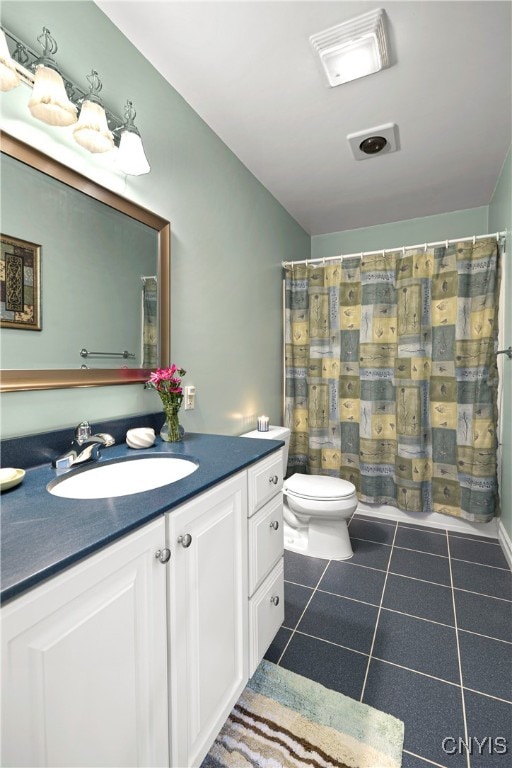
(84, 447)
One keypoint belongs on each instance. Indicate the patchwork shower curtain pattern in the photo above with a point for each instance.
(149, 322)
(391, 375)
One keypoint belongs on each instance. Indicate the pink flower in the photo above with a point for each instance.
(167, 384)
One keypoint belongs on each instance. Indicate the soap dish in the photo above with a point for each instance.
(9, 477)
(143, 437)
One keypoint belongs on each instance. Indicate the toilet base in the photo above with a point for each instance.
(330, 542)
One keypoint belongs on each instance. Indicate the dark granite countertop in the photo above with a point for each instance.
(42, 534)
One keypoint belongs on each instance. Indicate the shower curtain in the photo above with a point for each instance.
(391, 375)
(149, 322)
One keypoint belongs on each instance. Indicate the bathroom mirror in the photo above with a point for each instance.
(138, 247)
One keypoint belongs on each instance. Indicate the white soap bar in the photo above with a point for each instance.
(143, 437)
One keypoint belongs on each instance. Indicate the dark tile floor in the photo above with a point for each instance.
(418, 624)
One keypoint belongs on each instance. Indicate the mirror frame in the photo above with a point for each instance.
(14, 380)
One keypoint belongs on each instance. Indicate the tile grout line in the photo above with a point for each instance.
(395, 664)
(378, 615)
(423, 759)
(426, 581)
(464, 718)
(489, 695)
(434, 554)
(400, 613)
(302, 614)
(365, 517)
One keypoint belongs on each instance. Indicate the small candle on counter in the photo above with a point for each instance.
(263, 423)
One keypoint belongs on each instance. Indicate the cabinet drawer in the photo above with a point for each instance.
(266, 614)
(265, 480)
(265, 541)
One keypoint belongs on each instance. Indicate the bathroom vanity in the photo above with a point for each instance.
(132, 650)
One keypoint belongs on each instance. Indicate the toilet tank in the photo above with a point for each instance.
(274, 433)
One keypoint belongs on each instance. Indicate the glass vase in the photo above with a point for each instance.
(171, 431)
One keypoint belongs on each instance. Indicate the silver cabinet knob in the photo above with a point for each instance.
(275, 600)
(273, 479)
(185, 540)
(274, 525)
(164, 555)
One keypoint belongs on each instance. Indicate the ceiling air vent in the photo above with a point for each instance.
(374, 141)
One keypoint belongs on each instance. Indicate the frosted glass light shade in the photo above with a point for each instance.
(9, 78)
(352, 61)
(49, 101)
(353, 49)
(91, 131)
(131, 157)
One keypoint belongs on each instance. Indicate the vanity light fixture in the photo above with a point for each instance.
(131, 157)
(91, 131)
(353, 49)
(9, 78)
(56, 99)
(49, 102)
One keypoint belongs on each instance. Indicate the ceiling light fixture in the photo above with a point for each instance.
(353, 49)
(56, 98)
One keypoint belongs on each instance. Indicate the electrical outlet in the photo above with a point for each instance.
(190, 398)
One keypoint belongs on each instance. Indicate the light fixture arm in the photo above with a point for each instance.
(129, 116)
(47, 43)
(95, 87)
(26, 60)
(56, 98)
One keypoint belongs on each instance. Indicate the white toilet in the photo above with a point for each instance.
(315, 508)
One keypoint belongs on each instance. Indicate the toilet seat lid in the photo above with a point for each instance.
(318, 487)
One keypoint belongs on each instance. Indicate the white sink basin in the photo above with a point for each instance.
(122, 478)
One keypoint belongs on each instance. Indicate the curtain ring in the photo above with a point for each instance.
(425, 248)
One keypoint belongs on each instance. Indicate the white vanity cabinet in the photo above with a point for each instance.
(136, 655)
(207, 609)
(266, 576)
(84, 662)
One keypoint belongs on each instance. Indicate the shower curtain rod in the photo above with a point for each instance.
(322, 260)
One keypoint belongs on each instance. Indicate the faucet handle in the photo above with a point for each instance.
(82, 432)
(107, 439)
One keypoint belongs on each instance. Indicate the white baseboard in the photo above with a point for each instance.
(433, 520)
(506, 542)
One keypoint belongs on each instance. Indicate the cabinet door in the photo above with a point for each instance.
(84, 662)
(208, 616)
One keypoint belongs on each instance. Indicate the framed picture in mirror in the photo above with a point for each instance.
(20, 299)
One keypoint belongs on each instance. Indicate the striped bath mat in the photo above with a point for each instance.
(283, 720)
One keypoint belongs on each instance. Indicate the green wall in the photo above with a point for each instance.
(444, 226)
(500, 218)
(229, 236)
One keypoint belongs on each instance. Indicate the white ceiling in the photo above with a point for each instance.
(248, 70)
